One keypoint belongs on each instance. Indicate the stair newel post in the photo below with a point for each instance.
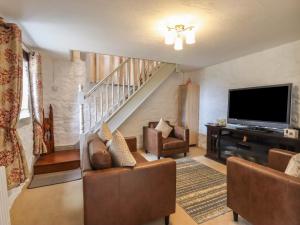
(132, 74)
(81, 108)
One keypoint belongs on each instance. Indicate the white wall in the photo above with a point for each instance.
(273, 66)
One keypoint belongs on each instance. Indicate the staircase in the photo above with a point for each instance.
(119, 94)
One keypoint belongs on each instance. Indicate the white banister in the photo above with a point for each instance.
(81, 109)
(4, 207)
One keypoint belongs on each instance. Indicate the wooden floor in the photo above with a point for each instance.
(57, 161)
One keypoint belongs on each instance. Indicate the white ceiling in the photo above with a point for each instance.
(226, 28)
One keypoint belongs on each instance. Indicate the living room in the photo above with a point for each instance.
(187, 115)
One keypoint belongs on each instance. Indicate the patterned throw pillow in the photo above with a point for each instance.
(120, 152)
(293, 168)
(105, 133)
(164, 128)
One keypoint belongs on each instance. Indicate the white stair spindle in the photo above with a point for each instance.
(112, 92)
(138, 73)
(118, 86)
(106, 94)
(123, 87)
(101, 102)
(128, 75)
(95, 103)
(81, 109)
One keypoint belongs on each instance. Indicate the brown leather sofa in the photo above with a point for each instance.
(129, 196)
(264, 195)
(177, 142)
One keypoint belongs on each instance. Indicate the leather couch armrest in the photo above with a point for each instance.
(278, 159)
(148, 190)
(181, 133)
(261, 194)
(152, 140)
(131, 142)
(101, 194)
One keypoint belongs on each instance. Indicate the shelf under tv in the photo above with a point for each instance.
(252, 145)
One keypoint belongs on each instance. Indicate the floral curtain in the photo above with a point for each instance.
(36, 88)
(11, 59)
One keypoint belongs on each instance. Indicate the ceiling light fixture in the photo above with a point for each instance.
(175, 35)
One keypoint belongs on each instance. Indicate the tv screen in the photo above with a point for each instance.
(264, 104)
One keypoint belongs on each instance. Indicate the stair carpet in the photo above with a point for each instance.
(58, 161)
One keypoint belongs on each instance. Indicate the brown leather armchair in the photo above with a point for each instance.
(264, 195)
(177, 142)
(129, 196)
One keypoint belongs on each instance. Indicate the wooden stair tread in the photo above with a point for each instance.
(57, 161)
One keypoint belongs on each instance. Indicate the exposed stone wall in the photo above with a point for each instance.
(61, 80)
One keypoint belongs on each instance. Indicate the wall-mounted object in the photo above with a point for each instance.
(188, 110)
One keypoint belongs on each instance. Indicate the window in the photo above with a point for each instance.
(25, 113)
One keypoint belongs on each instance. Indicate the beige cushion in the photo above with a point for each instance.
(164, 128)
(99, 156)
(105, 133)
(293, 168)
(120, 152)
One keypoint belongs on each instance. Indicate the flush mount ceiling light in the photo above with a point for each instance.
(176, 34)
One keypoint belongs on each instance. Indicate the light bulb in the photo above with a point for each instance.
(169, 37)
(178, 43)
(190, 37)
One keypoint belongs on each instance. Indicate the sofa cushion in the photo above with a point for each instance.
(105, 133)
(99, 156)
(164, 128)
(293, 168)
(172, 143)
(120, 152)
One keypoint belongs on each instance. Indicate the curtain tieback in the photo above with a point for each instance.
(8, 128)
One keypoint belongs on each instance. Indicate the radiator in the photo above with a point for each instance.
(4, 208)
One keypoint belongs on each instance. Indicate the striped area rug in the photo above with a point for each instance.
(201, 190)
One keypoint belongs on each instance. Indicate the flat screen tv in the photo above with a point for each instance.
(267, 106)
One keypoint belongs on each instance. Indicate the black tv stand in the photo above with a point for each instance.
(250, 143)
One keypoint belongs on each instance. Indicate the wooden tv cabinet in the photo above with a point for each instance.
(252, 145)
